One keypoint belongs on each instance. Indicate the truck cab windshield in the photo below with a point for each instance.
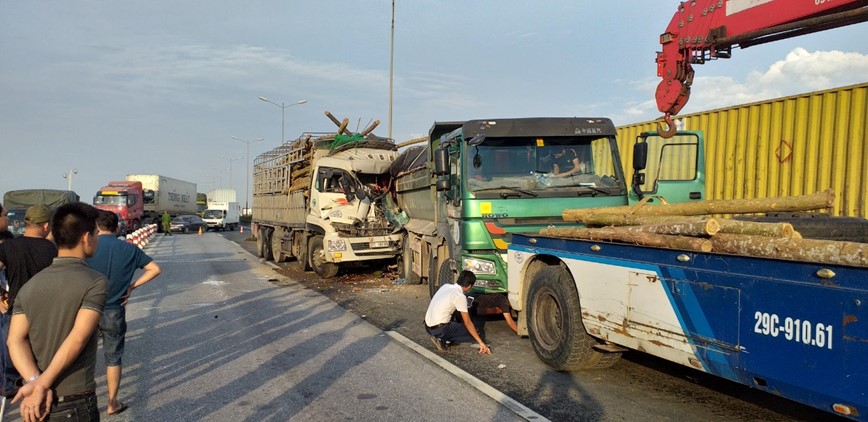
(213, 214)
(110, 200)
(559, 166)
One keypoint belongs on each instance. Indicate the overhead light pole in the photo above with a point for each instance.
(68, 176)
(219, 175)
(283, 107)
(391, 68)
(230, 159)
(247, 182)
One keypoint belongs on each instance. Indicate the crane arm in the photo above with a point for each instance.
(704, 30)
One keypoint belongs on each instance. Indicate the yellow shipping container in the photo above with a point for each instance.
(786, 146)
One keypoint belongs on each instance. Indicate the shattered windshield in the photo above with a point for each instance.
(559, 164)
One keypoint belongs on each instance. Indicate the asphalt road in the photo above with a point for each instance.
(220, 336)
(638, 387)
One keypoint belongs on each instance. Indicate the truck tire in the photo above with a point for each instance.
(260, 243)
(277, 245)
(232, 227)
(299, 249)
(405, 264)
(266, 239)
(320, 266)
(557, 333)
(137, 224)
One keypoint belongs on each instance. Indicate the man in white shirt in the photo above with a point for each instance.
(438, 319)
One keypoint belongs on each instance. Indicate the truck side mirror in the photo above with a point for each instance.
(443, 184)
(441, 162)
(640, 155)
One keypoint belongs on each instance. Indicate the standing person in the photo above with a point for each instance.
(22, 258)
(438, 318)
(167, 224)
(54, 347)
(117, 260)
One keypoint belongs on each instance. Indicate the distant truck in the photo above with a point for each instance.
(321, 199)
(142, 198)
(222, 195)
(125, 199)
(16, 203)
(222, 215)
(201, 203)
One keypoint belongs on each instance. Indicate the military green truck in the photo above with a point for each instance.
(16, 203)
(461, 196)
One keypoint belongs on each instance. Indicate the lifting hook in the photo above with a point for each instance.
(670, 131)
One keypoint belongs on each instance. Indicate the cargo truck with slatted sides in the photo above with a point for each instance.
(321, 200)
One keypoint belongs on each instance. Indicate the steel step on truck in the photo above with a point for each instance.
(320, 199)
(793, 328)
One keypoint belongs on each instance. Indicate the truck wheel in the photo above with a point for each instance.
(260, 243)
(299, 245)
(232, 227)
(266, 244)
(137, 224)
(405, 264)
(277, 246)
(557, 333)
(317, 259)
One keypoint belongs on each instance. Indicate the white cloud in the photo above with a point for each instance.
(800, 71)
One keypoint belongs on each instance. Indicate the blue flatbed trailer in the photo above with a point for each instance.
(794, 329)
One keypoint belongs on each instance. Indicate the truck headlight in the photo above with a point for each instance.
(337, 245)
(480, 266)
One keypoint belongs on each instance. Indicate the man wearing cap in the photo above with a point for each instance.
(23, 257)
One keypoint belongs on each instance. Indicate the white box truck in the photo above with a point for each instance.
(222, 215)
(162, 193)
(222, 195)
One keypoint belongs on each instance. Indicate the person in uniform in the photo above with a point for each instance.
(167, 224)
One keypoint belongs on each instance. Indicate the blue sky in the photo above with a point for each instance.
(117, 87)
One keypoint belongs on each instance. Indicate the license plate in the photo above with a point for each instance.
(380, 244)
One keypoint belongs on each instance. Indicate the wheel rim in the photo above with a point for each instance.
(318, 258)
(548, 320)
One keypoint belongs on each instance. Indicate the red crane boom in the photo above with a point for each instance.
(708, 29)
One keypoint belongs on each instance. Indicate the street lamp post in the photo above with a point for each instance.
(283, 107)
(231, 159)
(219, 175)
(68, 176)
(247, 182)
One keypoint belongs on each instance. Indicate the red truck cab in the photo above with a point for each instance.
(123, 198)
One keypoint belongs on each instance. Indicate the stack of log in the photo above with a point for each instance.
(298, 162)
(687, 227)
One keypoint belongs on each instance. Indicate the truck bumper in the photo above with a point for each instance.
(348, 249)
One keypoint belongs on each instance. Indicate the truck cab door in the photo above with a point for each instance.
(673, 168)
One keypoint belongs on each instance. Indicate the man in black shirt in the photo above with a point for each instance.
(567, 163)
(22, 258)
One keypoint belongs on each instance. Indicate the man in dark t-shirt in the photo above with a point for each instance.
(54, 347)
(22, 258)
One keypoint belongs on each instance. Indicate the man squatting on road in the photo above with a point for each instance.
(52, 337)
(438, 319)
(117, 260)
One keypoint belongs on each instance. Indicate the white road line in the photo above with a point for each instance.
(519, 409)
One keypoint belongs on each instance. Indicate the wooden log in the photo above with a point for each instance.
(300, 172)
(703, 228)
(757, 228)
(603, 219)
(618, 234)
(370, 128)
(804, 250)
(816, 201)
(337, 123)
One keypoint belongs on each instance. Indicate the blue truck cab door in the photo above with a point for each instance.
(669, 168)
